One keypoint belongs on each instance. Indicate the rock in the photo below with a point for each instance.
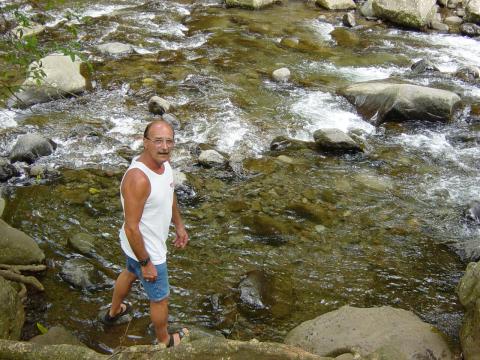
(468, 73)
(286, 159)
(469, 29)
(367, 10)
(269, 229)
(290, 42)
(172, 120)
(317, 213)
(212, 158)
(349, 20)
(7, 170)
(423, 66)
(439, 26)
(2, 206)
(37, 171)
(179, 178)
(158, 106)
(30, 147)
(62, 78)
(250, 4)
(115, 49)
(253, 290)
(335, 140)
(369, 330)
(468, 291)
(82, 274)
(281, 143)
(32, 29)
(409, 13)
(56, 335)
(12, 315)
(83, 243)
(460, 12)
(344, 37)
(453, 20)
(472, 11)
(17, 247)
(336, 4)
(452, 4)
(4, 25)
(281, 74)
(380, 102)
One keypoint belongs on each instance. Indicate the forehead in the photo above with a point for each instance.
(160, 130)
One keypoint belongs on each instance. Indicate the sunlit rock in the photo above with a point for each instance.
(472, 11)
(61, 77)
(367, 10)
(158, 105)
(30, 147)
(336, 4)
(335, 140)
(12, 315)
(370, 330)
(250, 4)
(439, 26)
(212, 158)
(453, 20)
(31, 29)
(115, 49)
(468, 73)
(380, 102)
(349, 20)
(409, 13)
(282, 74)
(17, 247)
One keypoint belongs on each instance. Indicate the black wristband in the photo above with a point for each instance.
(144, 262)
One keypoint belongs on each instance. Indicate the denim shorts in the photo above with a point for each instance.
(156, 291)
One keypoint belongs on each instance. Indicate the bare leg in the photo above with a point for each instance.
(120, 291)
(159, 316)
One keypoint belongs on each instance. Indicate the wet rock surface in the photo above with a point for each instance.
(17, 247)
(30, 147)
(12, 314)
(82, 274)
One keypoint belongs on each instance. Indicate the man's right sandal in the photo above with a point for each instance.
(181, 334)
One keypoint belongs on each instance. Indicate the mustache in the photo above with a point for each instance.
(163, 152)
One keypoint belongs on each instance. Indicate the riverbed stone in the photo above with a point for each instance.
(468, 73)
(335, 140)
(336, 4)
(345, 37)
(282, 74)
(367, 9)
(115, 48)
(212, 158)
(83, 243)
(253, 290)
(30, 147)
(12, 315)
(158, 105)
(7, 170)
(453, 20)
(56, 335)
(250, 4)
(439, 26)
(62, 78)
(367, 330)
(30, 30)
(423, 66)
(82, 274)
(470, 29)
(17, 247)
(282, 143)
(380, 102)
(2, 205)
(472, 11)
(172, 120)
(409, 13)
(349, 20)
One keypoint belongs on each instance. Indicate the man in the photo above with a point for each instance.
(149, 206)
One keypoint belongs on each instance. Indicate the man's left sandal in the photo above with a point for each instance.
(181, 334)
(110, 320)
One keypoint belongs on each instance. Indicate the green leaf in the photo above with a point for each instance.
(41, 328)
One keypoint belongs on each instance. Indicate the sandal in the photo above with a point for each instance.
(110, 320)
(181, 334)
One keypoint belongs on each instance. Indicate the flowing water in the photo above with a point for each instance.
(380, 228)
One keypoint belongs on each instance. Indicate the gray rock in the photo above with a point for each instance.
(179, 178)
(439, 26)
(17, 247)
(115, 49)
(380, 102)
(7, 170)
(468, 73)
(56, 335)
(2, 206)
(82, 274)
(336, 4)
(281, 143)
(349, 20)
(212, 158)
(282, 74)
(158, 105)
(365, 331)
(460, 12)
(253, 290)
(250, 4)
(83, 243)
(37, 170)
(30, 147)
(470, 29)
(335, 140)
(31, 29)
(172, 120)
(12, 315)
(472, 11)
(367, 10)
(409, 13)
(62, 78)
(423, 66)
(452, 4)
(453, 20)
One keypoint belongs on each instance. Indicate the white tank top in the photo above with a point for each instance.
(157, 213)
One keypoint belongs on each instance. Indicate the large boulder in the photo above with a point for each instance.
(350, 330)
(250, 4)
(409, 13)
(12, 314)
(472, 11)
(336, 4)
(335, 140)
(468, 291)
(30, 147)
(17, 247)
(56, 335)
(380, 102)
(62, 77)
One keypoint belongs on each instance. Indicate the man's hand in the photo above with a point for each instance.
(149, 272)
(181, 237)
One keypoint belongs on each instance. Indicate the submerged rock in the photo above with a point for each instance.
(83, 243)
(82, 274)
(12, 315)
(30, 147)
(369, 330)
(380, 102)
(336, 4)
(344, 37)
(17, 247)
(253, 290)
(409, 13)
(158, 105)
(56, 335)
(62, 78)
(250, 4)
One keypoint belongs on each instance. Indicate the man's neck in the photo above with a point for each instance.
(153, 165)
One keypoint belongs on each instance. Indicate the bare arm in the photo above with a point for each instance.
(181, 238)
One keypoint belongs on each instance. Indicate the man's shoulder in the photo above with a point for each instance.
(136, 176)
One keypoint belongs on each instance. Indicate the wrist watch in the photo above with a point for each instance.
(144, 262)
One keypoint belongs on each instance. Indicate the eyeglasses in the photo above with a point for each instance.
(158, 142)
